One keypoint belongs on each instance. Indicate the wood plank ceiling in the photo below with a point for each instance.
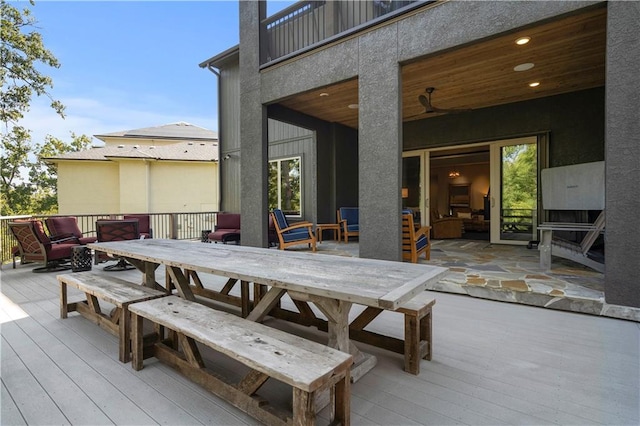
(568, 55)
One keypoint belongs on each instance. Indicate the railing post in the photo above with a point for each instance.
(173, 226)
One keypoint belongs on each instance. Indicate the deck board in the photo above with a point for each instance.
(493, 363)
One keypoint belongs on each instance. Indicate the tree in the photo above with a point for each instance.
(21, 51)
(22, 54)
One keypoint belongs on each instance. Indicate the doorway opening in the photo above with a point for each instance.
(484, 191)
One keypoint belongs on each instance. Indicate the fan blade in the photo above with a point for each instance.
(424, 101)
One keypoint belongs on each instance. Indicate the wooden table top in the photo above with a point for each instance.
(377, 283)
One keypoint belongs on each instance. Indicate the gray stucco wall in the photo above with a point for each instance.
(622, 154)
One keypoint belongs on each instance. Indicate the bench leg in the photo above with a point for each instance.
(304, 411)
(417, 340)
(341, 412)
(426, 335)
(125, 335)
(137, 349)
(411, 344)
(63, 300)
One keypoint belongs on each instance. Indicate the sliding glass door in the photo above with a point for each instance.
(514, 191)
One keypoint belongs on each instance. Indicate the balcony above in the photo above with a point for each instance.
(307, 25)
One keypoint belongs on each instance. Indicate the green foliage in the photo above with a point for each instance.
(285, 193)
(28, 185)
(519, 176)
(21, 53)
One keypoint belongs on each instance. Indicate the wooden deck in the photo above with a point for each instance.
(494, 363)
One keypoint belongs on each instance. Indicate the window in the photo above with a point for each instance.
(285, 183)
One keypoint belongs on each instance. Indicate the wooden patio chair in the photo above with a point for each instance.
(299, 233)
(34, 245)
(116, 230)
(349, 220)
(414, 242)
(67, 226)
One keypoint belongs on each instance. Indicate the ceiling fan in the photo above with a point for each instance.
(425, 100)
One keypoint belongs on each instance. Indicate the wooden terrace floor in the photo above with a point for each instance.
(494, 363)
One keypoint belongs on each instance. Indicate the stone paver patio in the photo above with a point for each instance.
(512, 274)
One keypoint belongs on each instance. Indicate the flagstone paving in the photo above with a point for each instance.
(512, 274)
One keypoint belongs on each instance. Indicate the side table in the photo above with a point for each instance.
(335, 227)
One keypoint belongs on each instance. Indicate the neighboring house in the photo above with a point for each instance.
(356, 74)
(170, 168)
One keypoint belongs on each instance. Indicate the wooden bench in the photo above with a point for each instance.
(112, 290)
(309, 367)
(418, 339)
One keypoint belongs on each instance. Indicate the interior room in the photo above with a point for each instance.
(459, 187)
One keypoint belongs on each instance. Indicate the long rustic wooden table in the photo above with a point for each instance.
(332, 283)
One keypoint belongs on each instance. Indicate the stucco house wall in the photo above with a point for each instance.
(88, 187)
(170, 168)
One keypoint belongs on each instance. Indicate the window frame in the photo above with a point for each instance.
(279, 161)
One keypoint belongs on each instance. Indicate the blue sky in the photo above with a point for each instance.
(128, 65)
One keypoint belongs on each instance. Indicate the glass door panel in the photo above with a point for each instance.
(514, 191)
(413, 196)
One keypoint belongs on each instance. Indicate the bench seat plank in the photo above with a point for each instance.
(296, 361)
(112, 290)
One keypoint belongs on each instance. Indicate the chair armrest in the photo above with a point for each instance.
(423, 231)
(297, 226)
(63, 238)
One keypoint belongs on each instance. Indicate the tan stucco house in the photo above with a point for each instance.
(169, 168)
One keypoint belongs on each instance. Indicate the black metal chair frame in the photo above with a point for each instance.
(116, 230)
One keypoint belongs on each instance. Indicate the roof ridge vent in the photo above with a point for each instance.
(120, 146)
(136, 147)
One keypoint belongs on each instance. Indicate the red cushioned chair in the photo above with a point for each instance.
(35, 245)
(227, 228)
(144, 224)
(115, 230)
(65, 227)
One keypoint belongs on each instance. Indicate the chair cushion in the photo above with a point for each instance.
(220, 234)
(350, 214)
(421, 243)
(144, 222)
(63, 226)
(60, 251)
(295, 235)
(38, 227)
(228, 221)
(281, 220)
(87, 240)
(353, 228)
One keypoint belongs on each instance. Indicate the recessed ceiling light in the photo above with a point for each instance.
(353, 106)
(523, 67)
(324, 94)
(523, 40)
(534, 84)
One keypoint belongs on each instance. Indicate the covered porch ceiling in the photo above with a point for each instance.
(568, 55)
